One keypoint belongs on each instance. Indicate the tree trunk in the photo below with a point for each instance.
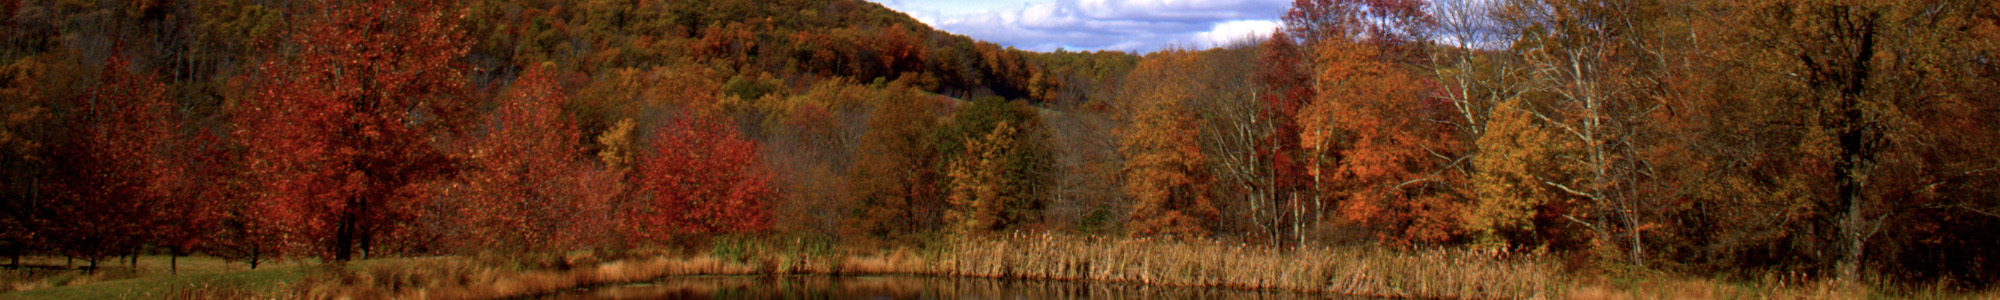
(256, 256)
(1858, 144)
(343, 233)
(1851, 238)
(1638, 244)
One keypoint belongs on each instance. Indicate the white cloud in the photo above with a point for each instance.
(1240, 30)
(1129, 25)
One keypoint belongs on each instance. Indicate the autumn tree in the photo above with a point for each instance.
(996, 156)
(892, 180)
(1513, 204)
(1875, 87)
(811, 143)
(1372, 149)
(978, 192)
(1231, 133)
(339, 126)
(1590, 63)
(699, 178)
(115, 177)
(1382, 35)
(1284, 87)
(528, 184)
(1165, 167)
(29, 87)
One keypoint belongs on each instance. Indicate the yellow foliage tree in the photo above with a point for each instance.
(1517, 155)
(977, 179)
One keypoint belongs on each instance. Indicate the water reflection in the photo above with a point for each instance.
(903, 287)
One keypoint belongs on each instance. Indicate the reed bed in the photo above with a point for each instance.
(446, 278)
(1458, 274)
(1368, 271)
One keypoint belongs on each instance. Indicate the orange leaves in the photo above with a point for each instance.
(1369, 144)
(1165, 167)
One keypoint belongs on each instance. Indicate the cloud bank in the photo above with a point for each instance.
(1139, 26)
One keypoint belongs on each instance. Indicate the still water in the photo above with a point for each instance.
(904, 287)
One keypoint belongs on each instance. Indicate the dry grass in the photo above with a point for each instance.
(1352, 271)
(1427, 274)
(458, 278)
(1367, 271)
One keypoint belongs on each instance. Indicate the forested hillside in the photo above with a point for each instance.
(1834, 139)
(271, 129)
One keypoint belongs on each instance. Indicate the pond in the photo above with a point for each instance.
(905, 287)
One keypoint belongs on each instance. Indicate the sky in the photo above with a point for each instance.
(1139, 26)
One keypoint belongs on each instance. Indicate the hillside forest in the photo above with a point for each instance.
(1829, 138)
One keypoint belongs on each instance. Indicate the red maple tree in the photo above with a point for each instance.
(115, 177)
(339, 129)
(530, 186)
(700, 178)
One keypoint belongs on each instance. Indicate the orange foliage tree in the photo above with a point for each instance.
(1371, 147)
(1166, 172)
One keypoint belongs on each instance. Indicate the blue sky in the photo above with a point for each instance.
(1129, 25)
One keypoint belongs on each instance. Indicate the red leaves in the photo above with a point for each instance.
(117, 176)
(700, 178)
(339, 130)
(529, 186)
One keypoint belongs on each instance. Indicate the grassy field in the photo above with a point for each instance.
(1440, 273)
(151, 279)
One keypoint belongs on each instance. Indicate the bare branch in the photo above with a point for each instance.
(1569, 190)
